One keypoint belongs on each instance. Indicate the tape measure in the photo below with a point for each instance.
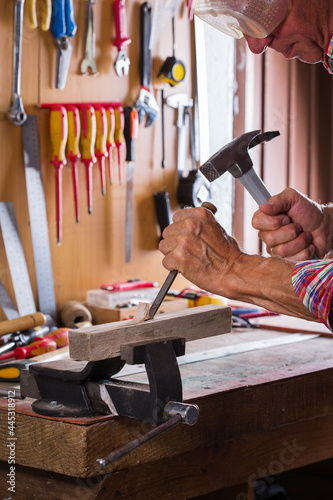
(16, 260)
(172, 71)
(38, 217)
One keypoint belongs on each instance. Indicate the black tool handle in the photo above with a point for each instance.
(145, 53)
(163, 209)
(130, 131)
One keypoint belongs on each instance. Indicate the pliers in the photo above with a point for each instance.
(46, 15)
(63, 29)
(122, 63)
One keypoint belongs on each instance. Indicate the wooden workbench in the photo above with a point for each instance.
(261, 412)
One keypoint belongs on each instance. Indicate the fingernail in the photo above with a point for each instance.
(285, 220)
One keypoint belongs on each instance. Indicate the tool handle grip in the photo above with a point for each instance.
(58, 129)
(58, 27)
(145, 53)
(69, 18)
(101, 131)
(46, 16)
(22, 323)
(119, 12)
(32, 14)
(163, 210)
(130, 131)
(35, 349)
(110, 120)
(119, 125)
(88, 132)
(59, 336)
(74, 130)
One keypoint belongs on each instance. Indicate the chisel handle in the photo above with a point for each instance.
(22, 323)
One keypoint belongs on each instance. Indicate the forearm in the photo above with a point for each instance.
(266, 282)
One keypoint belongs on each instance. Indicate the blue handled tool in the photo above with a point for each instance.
(63, 28)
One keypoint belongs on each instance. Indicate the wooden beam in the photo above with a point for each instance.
(104, 341)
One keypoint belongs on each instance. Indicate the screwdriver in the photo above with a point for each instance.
(21, 339)
(37, 348)
(58, 129)
(87, 145)
(100, 146)
(73, 151)
(119, 136)
(110, 119)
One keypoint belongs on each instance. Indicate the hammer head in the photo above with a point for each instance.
(147, 105)
(235, 157)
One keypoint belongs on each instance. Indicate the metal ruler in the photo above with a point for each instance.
(38, 217)
(16, 260)
(6, 303)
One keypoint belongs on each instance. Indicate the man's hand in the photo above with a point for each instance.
(199, 248)
(308, 233)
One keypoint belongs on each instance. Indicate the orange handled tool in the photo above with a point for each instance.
(73, 151)
(36, 348)
(59, 336)
(58, 130)
(87, 145)
(110, 144)
(100, 146)
(119, 137)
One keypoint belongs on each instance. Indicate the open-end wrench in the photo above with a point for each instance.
(16, 113)
(121, 41)
(180, 102)
(89, 57)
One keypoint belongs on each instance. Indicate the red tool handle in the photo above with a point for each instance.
(119, 12)
(59, 336)
(128, 285)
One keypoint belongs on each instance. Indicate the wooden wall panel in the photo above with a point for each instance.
(93, 251)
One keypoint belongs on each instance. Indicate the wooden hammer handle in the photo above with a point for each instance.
(22, 323)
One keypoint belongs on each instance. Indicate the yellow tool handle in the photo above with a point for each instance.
(74, 131)
(119, 125)
(58, 129)
(101, 130)
(22, 323)
(110, 120)
(32, 15)
(47, 14)
(88, 132)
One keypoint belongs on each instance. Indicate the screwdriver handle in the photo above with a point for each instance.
(119, 136)
(130, 131)
(59, 336)
(74, 131)
(88, 133)
(58, 129)
(100, 146)
(35, 349)
(87, 145)
(110, 120)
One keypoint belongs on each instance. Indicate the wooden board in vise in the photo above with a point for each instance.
(104, 341)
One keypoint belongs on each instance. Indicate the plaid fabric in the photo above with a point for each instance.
(328, 60)
(313, 283)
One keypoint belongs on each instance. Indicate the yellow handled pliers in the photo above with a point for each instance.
(46, 14)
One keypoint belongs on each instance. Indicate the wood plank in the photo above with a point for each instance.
(190, 473)
(104, 341)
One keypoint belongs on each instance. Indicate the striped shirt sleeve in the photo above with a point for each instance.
(313, 283)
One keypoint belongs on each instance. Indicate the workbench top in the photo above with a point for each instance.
(263, 395)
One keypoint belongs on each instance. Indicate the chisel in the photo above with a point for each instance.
(130, 134)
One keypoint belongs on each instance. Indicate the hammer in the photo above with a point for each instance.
(146, 103)
(235, 158)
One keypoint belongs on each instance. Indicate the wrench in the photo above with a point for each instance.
(16, 114)
(121, 41)
(89, 57)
